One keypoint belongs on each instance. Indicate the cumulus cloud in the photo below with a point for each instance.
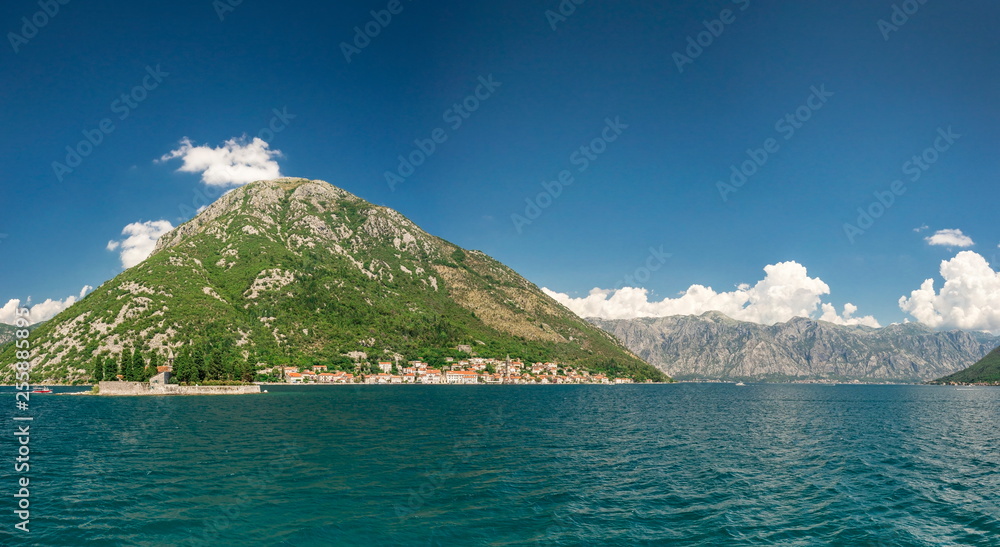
(847, 318)
(950, 238)
(141, 240)
(921, 228)
(969, 299)
(786, 291)
(40, 312)
(235, 163)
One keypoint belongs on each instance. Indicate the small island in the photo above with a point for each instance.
(160, 385)
(134, 376)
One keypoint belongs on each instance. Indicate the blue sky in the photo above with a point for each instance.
(214, 73)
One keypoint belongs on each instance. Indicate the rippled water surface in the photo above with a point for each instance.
(688, 464)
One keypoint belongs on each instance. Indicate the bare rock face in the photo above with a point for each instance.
(713, 346)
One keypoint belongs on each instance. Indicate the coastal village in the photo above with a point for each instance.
(476, 370)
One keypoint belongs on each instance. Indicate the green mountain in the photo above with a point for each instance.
(984, 371)
(301, 272)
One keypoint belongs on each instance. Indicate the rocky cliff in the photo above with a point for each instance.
(714, 346)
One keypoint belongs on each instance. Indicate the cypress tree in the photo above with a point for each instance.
(201, 365)
(125, 364)
(217, 366)
(138, 367)
(110, 369)
(179, 365)
(246, 370)
(154, 363)
(182, 366)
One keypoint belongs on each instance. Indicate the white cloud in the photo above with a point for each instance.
(969, 299)
(950, 238)
(40, 312)
(141, 240)
(921, 229)
(786, 291)
(235, 163)
(847, 318)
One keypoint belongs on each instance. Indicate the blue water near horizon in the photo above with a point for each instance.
(683, 464)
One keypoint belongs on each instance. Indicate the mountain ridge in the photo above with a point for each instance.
(716, 347)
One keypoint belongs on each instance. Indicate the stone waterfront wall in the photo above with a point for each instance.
(144, 388)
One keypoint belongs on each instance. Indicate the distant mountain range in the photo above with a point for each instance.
(714, 346)
(295, 271)
(984, 371)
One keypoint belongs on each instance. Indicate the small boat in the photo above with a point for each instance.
(42, 390)
(740, 384)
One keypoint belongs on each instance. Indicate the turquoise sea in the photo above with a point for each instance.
(686, 464)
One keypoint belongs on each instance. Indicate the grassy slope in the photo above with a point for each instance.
(984, 371)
